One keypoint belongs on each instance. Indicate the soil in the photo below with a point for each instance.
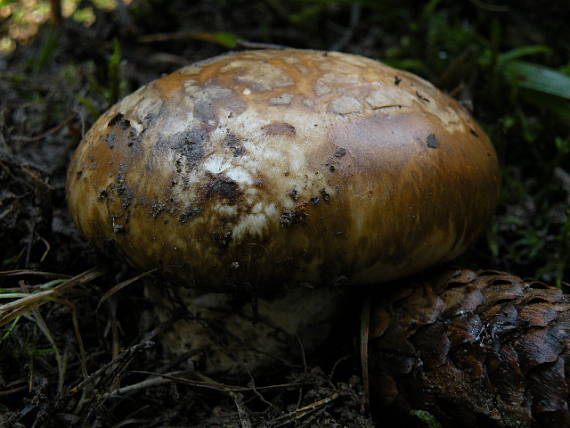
(89, 353)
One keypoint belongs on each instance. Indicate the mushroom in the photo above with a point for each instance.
(287, 176)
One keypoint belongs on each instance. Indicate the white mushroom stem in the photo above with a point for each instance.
(221, 336)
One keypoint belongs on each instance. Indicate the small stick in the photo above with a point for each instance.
(55, 13)
(306, 410)
(28, 272)
(45, 134)
(147, 383)
(242, 412)
(364, 336)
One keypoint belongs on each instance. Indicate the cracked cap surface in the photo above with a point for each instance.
(279, 167)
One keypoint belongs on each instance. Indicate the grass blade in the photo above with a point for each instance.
(538, 78)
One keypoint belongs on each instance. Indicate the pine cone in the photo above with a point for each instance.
(474, 349)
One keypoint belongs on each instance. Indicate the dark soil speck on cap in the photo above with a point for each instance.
(326, 197)
(110, 139)
(188, 214)
(432, 141)
(222, 239)
(189, 143)
(294, 194)
(121, 188)
(157, 209)
(340, 152)
(422, 97)
(121, 125)
(279, 128)
(134, 138)
(291, 217)
(117, 228)
(234, 143)
(222, 186)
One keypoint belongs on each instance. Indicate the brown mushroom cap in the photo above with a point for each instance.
(277, 167)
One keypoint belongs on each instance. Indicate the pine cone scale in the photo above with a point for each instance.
(478, 349)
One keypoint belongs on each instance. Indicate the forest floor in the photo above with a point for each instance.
(67, 358)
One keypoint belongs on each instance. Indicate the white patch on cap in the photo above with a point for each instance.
(137, 125)
(261, 76)
(321, 89)
(239, 175)
(191, 69)
(226, 210)
(140, 104)
(382, 100)
(333, 80)
(256, 224)
(302, 68)
(176, 123)
(251, 225)
(190, 87)
(216, 164)
(353, 59)
(309, 102)
(284, 99)
(291, 59)
(345, 105)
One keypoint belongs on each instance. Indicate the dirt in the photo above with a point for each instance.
(89, 354)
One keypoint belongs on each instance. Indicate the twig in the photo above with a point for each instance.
(217, 386)
(242, 412)
(305, 369)
(364, 336)
(304, 411)
(30, 243)
(315, 405)
(354, 20)
(78, 337)
(13, 390)
(28, 272)
(122, 285)
(335, 366)
(55, 12)
(47, 250)
(116, 340)
(117, 366)
(259, 394)
(125, 355)
(147, 383)
(45, 134)
(82, 121)
(47, 333)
